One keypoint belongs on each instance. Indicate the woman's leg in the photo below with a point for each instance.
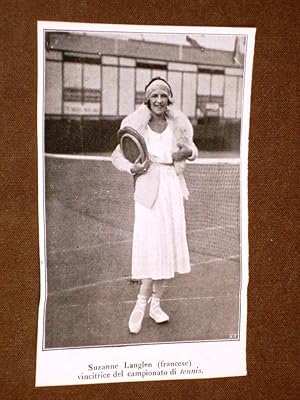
(138, 312)
(146, 286)
(158, 288)
(156, 312)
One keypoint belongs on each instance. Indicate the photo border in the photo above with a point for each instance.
(48, 372)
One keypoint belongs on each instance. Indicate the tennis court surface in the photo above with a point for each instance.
(89, 222)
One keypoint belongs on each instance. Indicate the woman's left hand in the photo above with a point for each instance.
(182, 153)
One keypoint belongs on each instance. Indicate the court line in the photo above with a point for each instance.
(215, 161)
(192, 298)
(112, 242)
(167, 299)
(77, 157)
(90, 285)
(124, 278)
(212, 260)
(163, 300)
(199, 161)
(80, 248)
(211, 228)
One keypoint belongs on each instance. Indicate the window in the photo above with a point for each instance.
(81, 84)
(210, 91)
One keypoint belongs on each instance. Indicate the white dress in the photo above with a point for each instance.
(159, 239)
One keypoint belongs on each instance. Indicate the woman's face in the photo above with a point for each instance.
(158, 102)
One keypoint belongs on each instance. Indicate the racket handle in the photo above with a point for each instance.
(139, 159)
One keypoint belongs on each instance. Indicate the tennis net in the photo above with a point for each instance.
(80, 189)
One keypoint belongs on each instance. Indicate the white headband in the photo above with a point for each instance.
(158, 85)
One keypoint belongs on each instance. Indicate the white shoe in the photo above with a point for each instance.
(137, 315)
(156, 312)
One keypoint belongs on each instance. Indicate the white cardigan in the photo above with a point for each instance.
(147, 185)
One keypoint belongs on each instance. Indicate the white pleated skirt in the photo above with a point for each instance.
(160, 246)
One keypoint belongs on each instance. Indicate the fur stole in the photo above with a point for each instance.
(179, 122)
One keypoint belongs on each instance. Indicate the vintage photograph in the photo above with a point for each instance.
(143, 137)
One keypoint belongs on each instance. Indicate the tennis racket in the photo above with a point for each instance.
(133, 145)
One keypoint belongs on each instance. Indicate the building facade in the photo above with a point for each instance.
(91, 83)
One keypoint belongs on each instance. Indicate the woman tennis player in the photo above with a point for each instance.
(159, 239)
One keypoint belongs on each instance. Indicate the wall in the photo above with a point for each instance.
(103, 88)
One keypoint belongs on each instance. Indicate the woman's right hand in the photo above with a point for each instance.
(139, 168)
